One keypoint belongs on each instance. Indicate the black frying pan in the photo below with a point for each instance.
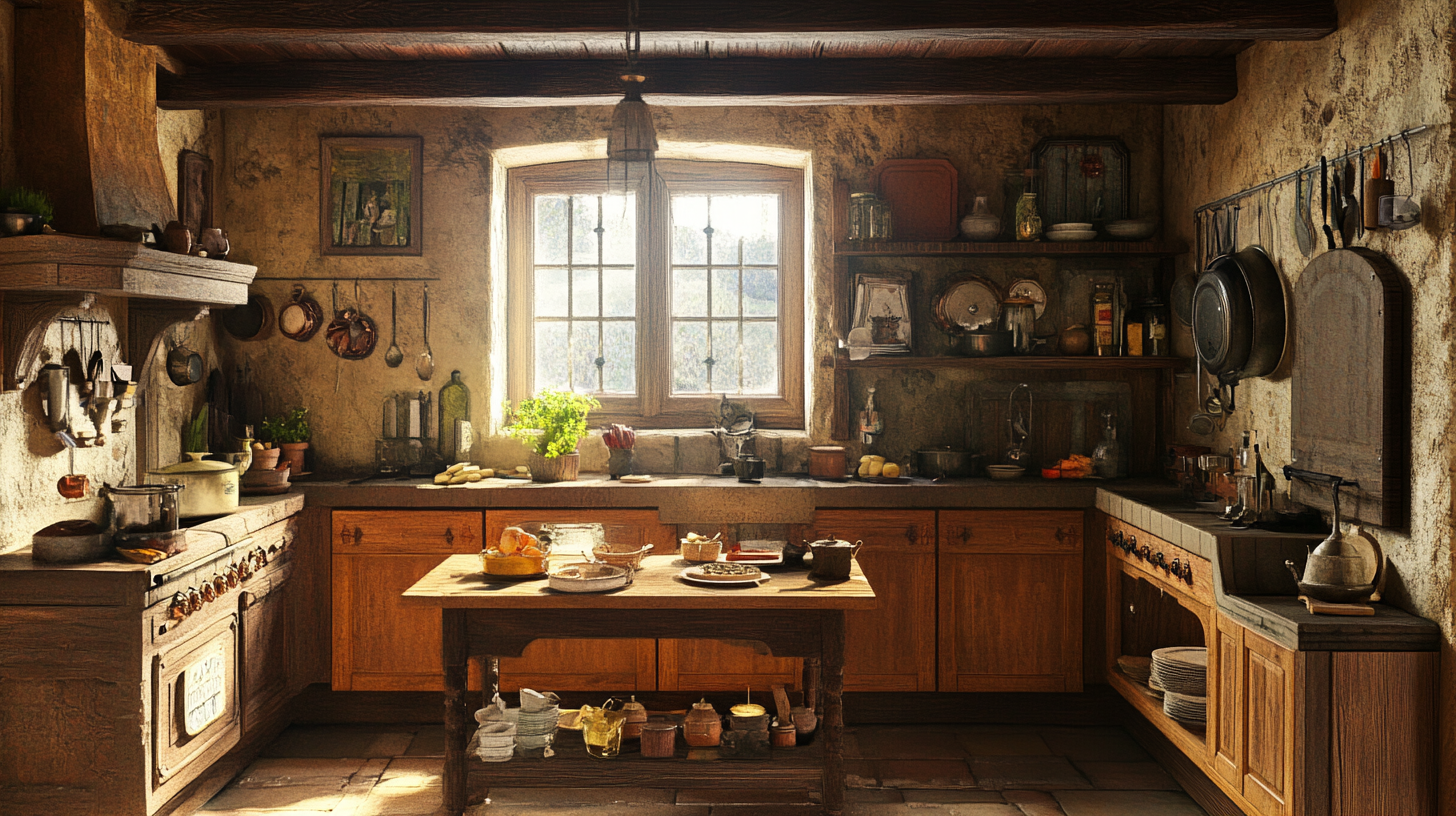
(1238, 316)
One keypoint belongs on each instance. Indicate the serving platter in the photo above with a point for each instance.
(687, 575)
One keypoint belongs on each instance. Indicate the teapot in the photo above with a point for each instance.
(1337, 570)
(831, 557)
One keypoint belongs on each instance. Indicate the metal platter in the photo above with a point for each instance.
(967, 304)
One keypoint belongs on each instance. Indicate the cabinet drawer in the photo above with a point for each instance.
(406, 531)
(1011, 531)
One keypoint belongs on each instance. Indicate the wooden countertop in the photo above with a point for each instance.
(458, 583)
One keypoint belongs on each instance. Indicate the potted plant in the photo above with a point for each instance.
(26, 211)
(290, 432)
(552, 423)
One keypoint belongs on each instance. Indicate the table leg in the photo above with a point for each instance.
(457, 715)
(832, 649)
(811, 686)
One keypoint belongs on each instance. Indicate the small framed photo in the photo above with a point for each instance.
(370, 195)
(881, 313)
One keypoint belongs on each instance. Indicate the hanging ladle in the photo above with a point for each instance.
(425, 365)
(393, 356)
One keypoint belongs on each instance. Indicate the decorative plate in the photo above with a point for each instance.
(968, 304)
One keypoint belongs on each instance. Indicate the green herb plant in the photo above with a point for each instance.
(194, 433)
(552, 422)
(289, 427)
(30, 202)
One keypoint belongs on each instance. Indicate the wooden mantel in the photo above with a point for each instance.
(43, 275)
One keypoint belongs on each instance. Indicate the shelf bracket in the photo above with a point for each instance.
(24, 319)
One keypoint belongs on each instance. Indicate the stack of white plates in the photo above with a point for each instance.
(1071, 231)
(1181, 669)
(495, 741)
(1188, 709)
(1137, 668)
(537, 729)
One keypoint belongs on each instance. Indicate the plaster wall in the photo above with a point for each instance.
(1389, 67)
(268, 184)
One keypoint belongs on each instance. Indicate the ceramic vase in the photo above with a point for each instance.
(980, 224)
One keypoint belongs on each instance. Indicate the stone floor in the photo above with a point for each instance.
(970, 770)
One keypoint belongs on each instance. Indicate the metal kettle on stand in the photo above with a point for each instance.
(1337, 571)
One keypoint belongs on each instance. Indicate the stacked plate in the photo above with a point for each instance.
(1137, 668)
(1180, 669)
(1071, 231)
(1187, 709)
(537, 729)
(495, 741)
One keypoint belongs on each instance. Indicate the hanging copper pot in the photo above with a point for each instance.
(352, 334)
(301, 318)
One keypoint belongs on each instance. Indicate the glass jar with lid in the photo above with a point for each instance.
(869, 218)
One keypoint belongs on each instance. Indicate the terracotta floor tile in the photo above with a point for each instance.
(919, 809)
(1027, 773)
(1128, 803)
(993, 741)
(401, 800)
(750, 796)
(925, 773)
(417, 767)
(340, 741)
(1034, 803)
(806, 809)
(859, 773)
(875, 796)
(1128, 776)
(952, 797)
(907, 742)
(300, 768)
(580, 796)
(276, 798)
(1094, 744)
(429, 741)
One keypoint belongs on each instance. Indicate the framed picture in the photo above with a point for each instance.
(881, 313)
(194, 191)
(370, 195)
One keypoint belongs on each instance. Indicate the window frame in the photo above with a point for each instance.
(653, 406)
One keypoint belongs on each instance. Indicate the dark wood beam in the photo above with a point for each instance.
(504, 83)
(405, 22)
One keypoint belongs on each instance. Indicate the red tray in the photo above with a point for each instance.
(923, 196)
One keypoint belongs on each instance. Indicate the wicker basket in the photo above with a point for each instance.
(700, 551)
(561, 468)
(621, 555)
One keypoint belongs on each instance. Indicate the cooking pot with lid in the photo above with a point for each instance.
(212, 487)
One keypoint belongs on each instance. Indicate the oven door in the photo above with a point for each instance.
(194, 704)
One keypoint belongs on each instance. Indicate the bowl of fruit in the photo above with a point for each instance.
(518, 554)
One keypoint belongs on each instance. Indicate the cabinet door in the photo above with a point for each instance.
(1268, 696)
(1226, 706)
(380, 644)
(1010, 600)
(892, 647)
(586, 665)
(266, 635)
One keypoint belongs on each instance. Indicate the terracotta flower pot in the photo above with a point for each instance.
(293, 453)
(562, 468)
(266, 459)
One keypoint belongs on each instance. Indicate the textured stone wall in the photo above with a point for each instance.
(1389, 67)
(270, 188)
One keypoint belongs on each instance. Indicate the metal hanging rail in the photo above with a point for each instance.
(1349, 154)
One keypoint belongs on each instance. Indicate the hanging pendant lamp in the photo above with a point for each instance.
(632, 138)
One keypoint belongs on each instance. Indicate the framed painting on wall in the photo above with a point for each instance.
(370, 195)
(881, 321)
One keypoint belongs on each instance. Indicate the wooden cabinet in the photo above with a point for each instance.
(1010, 595)
(586, 665)
(267, 636)
(380, 644)
(891, 648)
(1251, 725)
(1225, 713)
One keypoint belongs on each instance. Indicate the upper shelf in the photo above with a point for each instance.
(930, 249)
(1021, 362)
(74, 263)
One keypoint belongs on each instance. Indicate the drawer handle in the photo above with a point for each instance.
(965, 535)
(449, 535)
(358, 536)
(912, 535)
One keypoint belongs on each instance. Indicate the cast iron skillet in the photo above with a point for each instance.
(1238, 316)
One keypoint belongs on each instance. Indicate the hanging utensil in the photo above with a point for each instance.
(351, 335)
(1397, 212)
(393, 356)
(425, 364)
(1350, 218)
(301, 318)
(1325, 203)
(1337, 198)
(1303, 237)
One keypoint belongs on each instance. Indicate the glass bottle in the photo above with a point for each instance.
(1107, 457)
(861, 216)
(1103, 321)
(1028, 220)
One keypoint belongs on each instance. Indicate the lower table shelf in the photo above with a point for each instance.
(1193, 743)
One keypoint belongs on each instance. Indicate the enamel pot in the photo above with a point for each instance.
(211, 487)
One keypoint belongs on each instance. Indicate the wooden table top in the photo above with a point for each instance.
(459, 583)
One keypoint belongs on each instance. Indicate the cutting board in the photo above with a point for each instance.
(923, 197)
(1350, 386)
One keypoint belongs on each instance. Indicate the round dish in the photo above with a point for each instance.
(1004, 471)
(686, 576)
(1133, 229)
(584, 576)
(1072, 235)
(1070, 226)
(968, 304)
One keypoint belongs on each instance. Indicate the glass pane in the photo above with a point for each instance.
(619, 219)
(725, 293)
(760, 293)
(725, 357)
(619, 292)
(689, 349)
(584, 292)
(584, 355)
(620, 350)
(551, 292)
(583, 229)
(749, 220)
(689, 293)
(689, 217)
(550, 229)
(551, 356)
(760, 358)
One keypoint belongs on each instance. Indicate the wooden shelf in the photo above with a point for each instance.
(43, 276)
(1016, 362)
(931, 249)
(1194, 744)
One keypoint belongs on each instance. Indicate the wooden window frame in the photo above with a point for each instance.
(653, 406)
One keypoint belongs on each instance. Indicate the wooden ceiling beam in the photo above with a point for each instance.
(406, 22)
(503, 83)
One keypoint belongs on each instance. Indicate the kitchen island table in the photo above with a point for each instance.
(792, 614)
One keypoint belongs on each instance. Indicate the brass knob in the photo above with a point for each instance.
(1146, 553)
(220, 583)
(245, 568)
(1158, 561)
(1188, 572)
(194, 601)
(179, 608)
(208, 593)
(233, 576)
(1177, 568)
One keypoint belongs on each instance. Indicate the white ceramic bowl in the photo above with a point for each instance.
(1004, 471)
(1070, 226)
(1072, 235)
(1136, 229)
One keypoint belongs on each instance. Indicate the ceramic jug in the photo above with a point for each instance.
(701, 727)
